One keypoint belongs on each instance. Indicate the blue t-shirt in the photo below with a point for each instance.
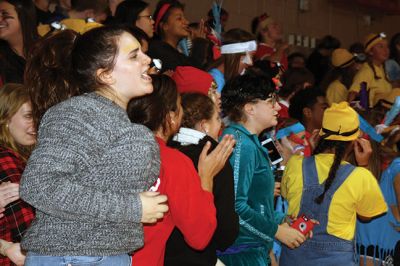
(380, 231)
(392, 69)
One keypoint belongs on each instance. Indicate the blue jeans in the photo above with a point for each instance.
(34, 259)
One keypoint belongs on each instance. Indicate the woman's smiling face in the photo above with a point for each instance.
(9, 22)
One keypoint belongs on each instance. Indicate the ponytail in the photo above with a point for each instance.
(340, 150)
(48, 72)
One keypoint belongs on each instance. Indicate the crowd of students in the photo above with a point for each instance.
(132, 137)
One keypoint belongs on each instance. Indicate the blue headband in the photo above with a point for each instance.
(369, 130)
(393, 112)
(295, 128)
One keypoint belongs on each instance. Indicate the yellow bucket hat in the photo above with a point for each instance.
(342, 58)
(372, 39)
(340, 122)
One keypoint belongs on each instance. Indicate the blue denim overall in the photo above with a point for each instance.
(323, 249)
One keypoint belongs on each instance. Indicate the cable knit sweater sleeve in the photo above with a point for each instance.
(90, 164)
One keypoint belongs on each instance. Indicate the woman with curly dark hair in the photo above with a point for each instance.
(251, 104)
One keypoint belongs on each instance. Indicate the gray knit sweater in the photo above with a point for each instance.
(84, 179)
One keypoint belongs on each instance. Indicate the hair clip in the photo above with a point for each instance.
(360, 57)
(262, 17)
(56, 25)
(90, 20)
(156, 63)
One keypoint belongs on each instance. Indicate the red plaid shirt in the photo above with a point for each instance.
(18, 214)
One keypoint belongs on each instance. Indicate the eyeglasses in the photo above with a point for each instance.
(150, 17)
(272, 98)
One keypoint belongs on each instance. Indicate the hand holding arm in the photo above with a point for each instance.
(9, 192)
(14, 253)
(154, 206)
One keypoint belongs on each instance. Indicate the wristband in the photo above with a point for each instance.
(3, 246)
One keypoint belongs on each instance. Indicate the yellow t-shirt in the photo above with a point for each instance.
(336, 92)
(359, 194)
(378, 88)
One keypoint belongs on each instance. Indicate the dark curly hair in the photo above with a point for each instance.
(244, 89)
(65, 64)
(48, 72)
(196, 107)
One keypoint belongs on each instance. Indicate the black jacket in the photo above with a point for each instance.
(177, 251)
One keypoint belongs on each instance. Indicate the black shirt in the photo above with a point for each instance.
(170, 57)
(12, 66)
(177, 252)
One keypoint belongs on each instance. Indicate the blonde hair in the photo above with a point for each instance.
(12, 97)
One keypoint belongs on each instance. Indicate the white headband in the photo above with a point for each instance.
(240, 47)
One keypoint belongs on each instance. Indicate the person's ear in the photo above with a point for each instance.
(307, 113)
(171, 117)
(164, 26)
(370, 53)
(105, 76)
(248, 108)
(205, 126)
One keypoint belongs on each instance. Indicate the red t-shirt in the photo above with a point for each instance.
(264, 50)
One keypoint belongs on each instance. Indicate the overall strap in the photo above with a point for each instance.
(311, 187)
(310, 174)
(311, 183)
(341, 175)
